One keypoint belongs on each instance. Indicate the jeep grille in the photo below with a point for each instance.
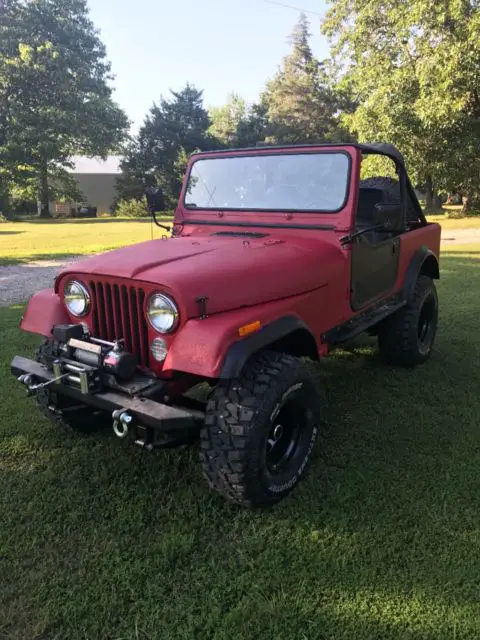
(118, 313)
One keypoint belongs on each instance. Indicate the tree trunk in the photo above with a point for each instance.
(44, 191)
(4, 203)
(436, 202)
(429, 195)
(470, 204)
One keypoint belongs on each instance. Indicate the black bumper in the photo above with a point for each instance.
(145, 411)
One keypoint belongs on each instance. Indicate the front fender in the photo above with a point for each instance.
(44, 310)
(202, 346)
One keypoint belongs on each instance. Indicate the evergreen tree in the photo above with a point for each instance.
(237, 124)
(173, 129)
(301, 106)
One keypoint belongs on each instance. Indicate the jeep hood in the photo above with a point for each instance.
(231, 272)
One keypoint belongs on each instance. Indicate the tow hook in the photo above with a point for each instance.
(122, 421)
(27, 379)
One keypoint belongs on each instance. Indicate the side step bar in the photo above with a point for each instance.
(363, 322)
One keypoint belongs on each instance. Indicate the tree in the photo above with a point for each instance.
(54, 87)
(172, 130)
(414, 70)
(227, 119)
(301, 106)
(237, 124)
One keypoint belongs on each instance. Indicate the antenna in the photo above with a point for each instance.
(289, 6)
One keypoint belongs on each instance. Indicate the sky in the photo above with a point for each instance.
(219, 46)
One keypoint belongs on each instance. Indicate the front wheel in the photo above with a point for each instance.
(60, 410)
(260, 430)
(407, 337)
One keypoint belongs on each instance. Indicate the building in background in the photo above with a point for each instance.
(96, 180)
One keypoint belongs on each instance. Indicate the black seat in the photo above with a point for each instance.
(367, 200)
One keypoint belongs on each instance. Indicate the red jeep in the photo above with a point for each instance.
(278, 255)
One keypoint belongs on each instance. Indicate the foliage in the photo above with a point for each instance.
(173, 129)
(413, 70)
(132, 208)
(380, 542)
(375, 165)
(301, 106)
(227, 119)
(237, 124)
(54, 91)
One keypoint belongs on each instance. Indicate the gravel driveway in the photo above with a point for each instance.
(19, 282)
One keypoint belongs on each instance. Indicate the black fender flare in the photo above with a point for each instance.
(239, 352)
(423, 261)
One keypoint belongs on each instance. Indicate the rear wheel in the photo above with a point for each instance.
(407, 337)
(260, 430)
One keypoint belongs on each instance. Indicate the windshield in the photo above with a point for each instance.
(280, 182)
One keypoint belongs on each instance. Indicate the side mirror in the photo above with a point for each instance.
(389, 216)
(155, 199)
(156, 203)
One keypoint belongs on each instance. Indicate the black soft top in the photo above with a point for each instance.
(382, 148)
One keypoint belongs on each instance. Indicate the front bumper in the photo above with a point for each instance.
(145, 412)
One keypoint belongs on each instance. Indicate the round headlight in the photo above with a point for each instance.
(77, 298)
(162, 313)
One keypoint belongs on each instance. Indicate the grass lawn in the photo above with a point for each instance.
(472, 222)
(27, 241)
(99, 540)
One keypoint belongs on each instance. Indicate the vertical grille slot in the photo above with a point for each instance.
(93, 289)
(132, 307)
(102, 325)
(126, 324)
(108, 313)
(142, 329)
(118, 313)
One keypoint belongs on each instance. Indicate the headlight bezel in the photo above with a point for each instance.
(85, 294)
(171, 305)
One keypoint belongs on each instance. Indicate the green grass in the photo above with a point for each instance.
(99, 540)
(472, 222)
(26, 241)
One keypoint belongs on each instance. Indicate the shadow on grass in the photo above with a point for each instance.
(38, 257)
(10, 233)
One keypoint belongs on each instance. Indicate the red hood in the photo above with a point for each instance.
(231, 272)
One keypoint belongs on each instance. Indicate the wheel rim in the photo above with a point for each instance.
(284, 436)
(426, 325)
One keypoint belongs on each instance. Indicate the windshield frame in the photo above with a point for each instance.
(261, 152)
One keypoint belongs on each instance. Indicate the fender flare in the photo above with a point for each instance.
(44, 310)
(239, 352)
(423, 261)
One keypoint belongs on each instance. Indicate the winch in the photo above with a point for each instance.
(82, 359)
